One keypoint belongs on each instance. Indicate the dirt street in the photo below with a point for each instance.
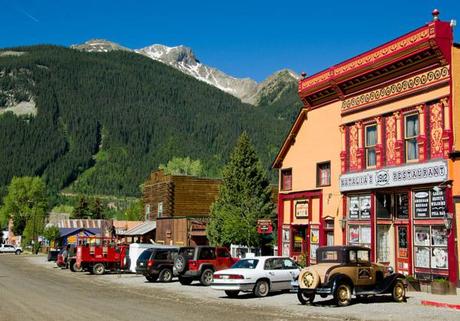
(32, 292)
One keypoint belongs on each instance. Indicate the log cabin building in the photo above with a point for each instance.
(386, 171)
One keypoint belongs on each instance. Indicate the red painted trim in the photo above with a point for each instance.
(373, 228)
(291, 206)
(410, 246)
(280, 224)
(441, 304)
(303, 194)
(344, 230)
(321, 222)
(451, 244)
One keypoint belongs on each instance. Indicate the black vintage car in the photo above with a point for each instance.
(343, 271)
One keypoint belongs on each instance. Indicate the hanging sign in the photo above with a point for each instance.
(264, 226)
(425, 173)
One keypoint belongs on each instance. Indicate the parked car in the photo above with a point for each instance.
(52, 254)
(7, 248)
(343, 271)
(157, 263)
(199, 263)
(259, 275)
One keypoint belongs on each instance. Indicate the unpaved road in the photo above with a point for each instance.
(31, 292)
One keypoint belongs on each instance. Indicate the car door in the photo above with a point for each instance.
(365, 273)
(292, 272)
(275, 272)
(9, 248)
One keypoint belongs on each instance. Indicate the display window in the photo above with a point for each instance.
(298, 239)
(429, 204)
(359, 235)
(359, 207)
(383, 243)
(430, 246)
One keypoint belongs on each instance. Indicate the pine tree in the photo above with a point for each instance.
(244, 197)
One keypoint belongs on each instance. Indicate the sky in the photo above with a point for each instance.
(248, 38)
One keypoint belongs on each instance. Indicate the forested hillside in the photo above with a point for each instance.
(105, 120)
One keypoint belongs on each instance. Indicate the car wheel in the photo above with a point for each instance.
(206, 277)
(166, 275)
(342, 295)
(232, 293)
(399, 291)
(185, 281)
(74, 267)
(17, 252)
(98, 269)
(151, 278)
(305, 298)
(180, 263)
(261, 289)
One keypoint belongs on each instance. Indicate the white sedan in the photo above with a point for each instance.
(259, 275)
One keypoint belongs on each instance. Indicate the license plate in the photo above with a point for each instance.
(225, 276)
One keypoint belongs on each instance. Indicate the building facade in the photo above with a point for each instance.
(372, 158)
(181, 206)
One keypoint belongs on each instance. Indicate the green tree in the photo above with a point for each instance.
(82, 209)
(244, 197)
(51, 233)
(135, 212)
(97, 209)
(26, 203)
(183, 166)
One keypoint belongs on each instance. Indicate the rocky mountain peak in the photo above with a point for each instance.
(99, 45)
(170, 55)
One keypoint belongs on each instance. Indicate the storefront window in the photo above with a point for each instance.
(359, 235)
(402, 205)
(383, 244)
(430, 246)
(411, 134)
(429, 203)
(359, 207)
(384, 205)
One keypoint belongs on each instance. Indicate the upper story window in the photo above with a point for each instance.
(160, 209)
(410, 136)
(370, 142)
(286, 179)
(323, 174)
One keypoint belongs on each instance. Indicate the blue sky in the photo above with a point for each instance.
(242, 38)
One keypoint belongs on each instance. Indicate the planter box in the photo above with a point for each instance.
(440, 288)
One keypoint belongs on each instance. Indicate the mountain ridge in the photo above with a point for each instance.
(184, 59)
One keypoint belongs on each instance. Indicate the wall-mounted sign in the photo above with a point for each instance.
(301, 209)
(421, 203)
(438, 203)
(425, 173)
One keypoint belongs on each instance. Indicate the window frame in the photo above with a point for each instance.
(319, 176)
(282, 182)
(371, 147)
(410, 138)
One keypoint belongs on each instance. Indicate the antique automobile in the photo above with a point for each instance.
(343, 271)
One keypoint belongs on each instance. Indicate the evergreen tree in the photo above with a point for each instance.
(244, 197)
(82, 209)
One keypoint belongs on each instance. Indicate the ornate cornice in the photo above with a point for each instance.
(405, 86)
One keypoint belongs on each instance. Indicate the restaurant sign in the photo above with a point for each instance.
(425, 173)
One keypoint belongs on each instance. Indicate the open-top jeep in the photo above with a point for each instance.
(346, 270)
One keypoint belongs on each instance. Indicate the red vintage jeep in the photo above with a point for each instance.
(99, 254)
(199, 263)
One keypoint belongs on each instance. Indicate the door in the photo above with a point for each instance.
(365, 272)
(402, 249)
(275, 273)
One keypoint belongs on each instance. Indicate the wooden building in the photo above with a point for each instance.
(385, 171)
(180, 205)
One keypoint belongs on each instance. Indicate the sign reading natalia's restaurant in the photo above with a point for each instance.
(425, 173)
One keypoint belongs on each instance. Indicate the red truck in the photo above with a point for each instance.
(100, 254)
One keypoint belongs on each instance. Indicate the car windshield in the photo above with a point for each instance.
(245, 264)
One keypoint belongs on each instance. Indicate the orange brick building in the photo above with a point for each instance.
(373, 156)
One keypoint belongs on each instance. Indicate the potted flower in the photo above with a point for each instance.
(440, 286)
(413, 283)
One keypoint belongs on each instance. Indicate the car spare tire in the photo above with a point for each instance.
(180, 263)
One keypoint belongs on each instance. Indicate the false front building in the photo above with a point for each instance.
(371, 158)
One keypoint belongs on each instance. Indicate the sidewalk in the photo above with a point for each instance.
(434, 300)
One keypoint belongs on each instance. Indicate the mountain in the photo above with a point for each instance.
(184, 59)
(99, 45)
(103, 122)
